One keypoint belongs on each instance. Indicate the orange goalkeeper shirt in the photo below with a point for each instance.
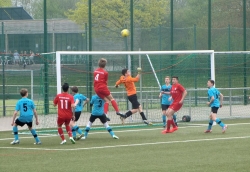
(129, 84)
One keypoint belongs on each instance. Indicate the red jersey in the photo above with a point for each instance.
(100, 78)
(176, 92)
(64, 102)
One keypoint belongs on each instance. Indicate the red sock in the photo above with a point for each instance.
(68, 129)
(60, 131)
(115, 106)
(173, 124)
(106, 108)
(168, 124)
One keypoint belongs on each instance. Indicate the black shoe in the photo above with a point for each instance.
(108, 119)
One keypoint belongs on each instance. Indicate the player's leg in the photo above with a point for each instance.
(15, 131)
(217, 120)
(114, 104)
(108, 128)
(210, 124)
(75, 128)
(33, 132)
(60, 122)
(145, 120)
(88, 126)
(175, 119)
(68, 129)
(164, 115)
(170, 121)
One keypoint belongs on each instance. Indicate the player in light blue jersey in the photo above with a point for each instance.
(27, 111)
(166, 100)
(98, 112)
(215, 99)
(80, 100)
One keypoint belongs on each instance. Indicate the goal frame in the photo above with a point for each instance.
(59, 53)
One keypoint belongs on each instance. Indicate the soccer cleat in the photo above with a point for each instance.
(166, 131)
(148, 123)
(120, 114)
(79, 137)
(115, 137)
(72, 140)
(175, 128)
(38, 143)
(122, 120)
(224, 129)
(63, 142)
(15, 142)
(208, 131)
(83, 138)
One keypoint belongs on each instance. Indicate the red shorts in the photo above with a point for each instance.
(102, 92)
(65, 121)
(175, 106)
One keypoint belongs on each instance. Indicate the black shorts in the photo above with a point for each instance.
(77, 116)
(164, 107)
(102, 118)
(133, 100)
(19, 123)
(214, 109)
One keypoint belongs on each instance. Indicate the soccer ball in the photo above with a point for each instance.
(125, 33)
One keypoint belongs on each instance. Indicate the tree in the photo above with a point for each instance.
(115, 14)
(5, 3)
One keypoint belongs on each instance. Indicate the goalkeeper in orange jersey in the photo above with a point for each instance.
(128, 82)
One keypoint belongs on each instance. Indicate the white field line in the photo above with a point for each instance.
(130, 145)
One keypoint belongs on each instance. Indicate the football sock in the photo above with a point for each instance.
(68, 129)
(115, 106)
(168, 124)
(143, 116)
(15, 131)
(86, 132)
(73, 131)
(129, 113)
(109, 129)
(218, 121)
(60, 131)
(173, 123)
(33, 132)
(106, 107)
(78, 129)
(164, 120)
(175, 120)
(210, 124)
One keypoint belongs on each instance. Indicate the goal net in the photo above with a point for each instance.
(193, 68)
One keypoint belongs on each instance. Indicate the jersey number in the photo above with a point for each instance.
(100, 103)
(62, 104)
(25, 107)
(96, 77)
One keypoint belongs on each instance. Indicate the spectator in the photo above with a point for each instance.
(16, 57)
(31, 57)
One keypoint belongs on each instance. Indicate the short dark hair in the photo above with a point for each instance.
(212, 81)
(176, 77)
(102, 63)
(124, 71)
(65, 87)
(23, 92)
(74, 89)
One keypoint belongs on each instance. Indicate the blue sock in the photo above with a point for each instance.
(164, 120)
(86, 132)
(109, 129)
(78, 130)
(218, 121)
(210, 124)
(73, 129)
(33, 132)
(15, 131)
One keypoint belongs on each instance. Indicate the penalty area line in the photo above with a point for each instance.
(130, 145)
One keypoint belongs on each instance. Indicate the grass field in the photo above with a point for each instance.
(143, 149)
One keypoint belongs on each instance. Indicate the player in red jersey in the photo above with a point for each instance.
(178, 93)
(65, 103)
(101, 88)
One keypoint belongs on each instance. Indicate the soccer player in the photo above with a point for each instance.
(215, 99)
(100, 86)
(80, 101)
(178, 94)
(65, 103)
(165, 102)
(129, 83)
(98, 112)
(27, 110)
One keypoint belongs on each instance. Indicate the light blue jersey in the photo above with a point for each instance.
(98, 105)
(214, 92)
(164, 98)
(81, 98)
(26, 107)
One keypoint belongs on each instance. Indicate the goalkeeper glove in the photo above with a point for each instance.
(139, 70)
